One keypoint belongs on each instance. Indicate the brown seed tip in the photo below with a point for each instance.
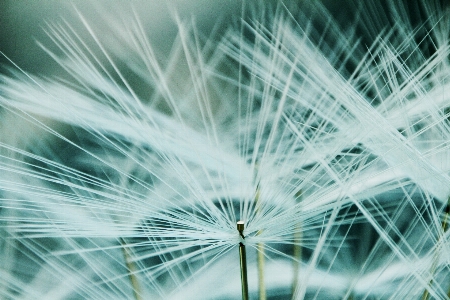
(240, 226)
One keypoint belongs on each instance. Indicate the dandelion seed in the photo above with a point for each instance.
(150, 161)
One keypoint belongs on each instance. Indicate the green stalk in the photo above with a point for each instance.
(131, 270)
(297, 255)
(262, 287)
(444, 225)
(260, 255)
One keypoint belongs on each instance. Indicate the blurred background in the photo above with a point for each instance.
(22, 23)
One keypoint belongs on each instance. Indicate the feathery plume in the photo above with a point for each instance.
(328, 141)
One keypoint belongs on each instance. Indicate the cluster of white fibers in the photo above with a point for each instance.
(330, 141)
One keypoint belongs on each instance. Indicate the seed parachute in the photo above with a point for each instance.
(288, 154)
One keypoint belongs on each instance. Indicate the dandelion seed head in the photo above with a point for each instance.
(322, 139)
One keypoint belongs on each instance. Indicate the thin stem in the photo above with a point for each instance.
(262, 287)
(444, 225)
(297, 249)
(243, 261)
(445, 228)
(131, 270)
(260, 255)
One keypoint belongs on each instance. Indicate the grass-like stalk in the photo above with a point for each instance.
(131, 268)
(260, 253)
(297, 251)
(437, 252)
(445, 226)
(261, 262)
